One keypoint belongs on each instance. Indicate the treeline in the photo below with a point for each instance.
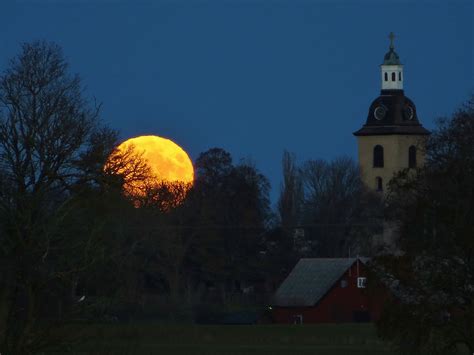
(432, 275)
(75, 247)
(326, 209)
(202, 251)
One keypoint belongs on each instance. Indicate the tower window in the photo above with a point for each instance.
(386, 76)
(412, 157)
(378, 183)
(393, 76)
(378, 156)
(400, 76)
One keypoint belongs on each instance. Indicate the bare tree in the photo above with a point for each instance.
(338, 211)
(291, 194)
(52, 147)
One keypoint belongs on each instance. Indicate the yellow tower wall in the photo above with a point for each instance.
(395, 149)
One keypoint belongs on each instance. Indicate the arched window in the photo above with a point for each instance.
(393, 76)
(378, 156)
(378, 183)
(386, 76)
(400, 76)
(412, 157)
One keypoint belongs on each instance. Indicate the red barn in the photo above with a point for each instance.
(327, 290)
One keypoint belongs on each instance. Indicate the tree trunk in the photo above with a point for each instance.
(23, 340)
(6, 294)
(174, 284)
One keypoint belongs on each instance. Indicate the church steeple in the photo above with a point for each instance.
(392, 69)
(392, 137)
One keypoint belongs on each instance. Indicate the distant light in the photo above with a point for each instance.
(270, 308)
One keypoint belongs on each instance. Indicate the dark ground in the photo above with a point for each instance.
(138, 339)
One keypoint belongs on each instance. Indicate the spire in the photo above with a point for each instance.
(391, 58)
(392, 37)
(392, 68)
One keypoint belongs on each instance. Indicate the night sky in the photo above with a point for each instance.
(252, 77)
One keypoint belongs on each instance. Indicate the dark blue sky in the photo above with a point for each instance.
(252, 77)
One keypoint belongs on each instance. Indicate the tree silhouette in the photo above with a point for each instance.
(52, 151)
(433, 275)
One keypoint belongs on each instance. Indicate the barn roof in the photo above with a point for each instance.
(310, 280)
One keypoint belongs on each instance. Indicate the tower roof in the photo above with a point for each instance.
(391, 57)
(392, 113)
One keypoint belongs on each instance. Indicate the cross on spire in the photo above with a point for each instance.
(392, 37)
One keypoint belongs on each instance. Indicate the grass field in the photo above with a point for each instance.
(139, 339)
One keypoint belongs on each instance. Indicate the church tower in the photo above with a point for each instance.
(392, 137)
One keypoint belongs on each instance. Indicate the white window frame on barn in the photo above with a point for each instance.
(361, 282)
(298, 319)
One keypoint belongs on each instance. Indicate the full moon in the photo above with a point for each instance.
(167, 161)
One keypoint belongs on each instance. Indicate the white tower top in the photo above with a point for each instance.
(392, 69)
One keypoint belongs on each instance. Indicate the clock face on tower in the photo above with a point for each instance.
(380, 112)
(408, 112)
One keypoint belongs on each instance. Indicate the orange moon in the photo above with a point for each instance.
(168, 162)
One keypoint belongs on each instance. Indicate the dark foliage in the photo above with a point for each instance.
(55, 197)
(44, 125)
(184, 254)
(325, 210)
(433, 275)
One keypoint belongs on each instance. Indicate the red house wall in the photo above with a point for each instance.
(339, 304)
